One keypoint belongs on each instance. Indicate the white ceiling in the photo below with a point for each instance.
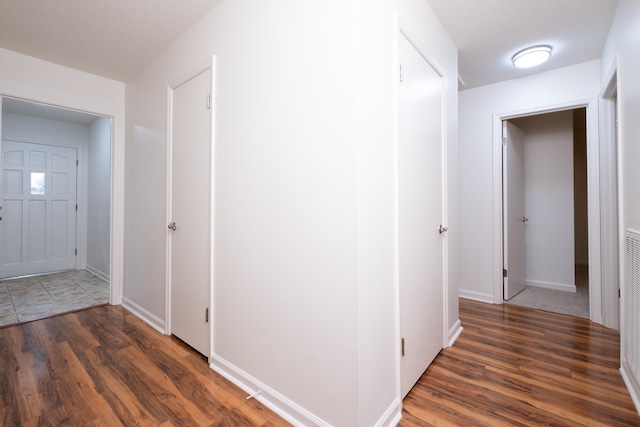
(10, 105)
(489, 32)
(115, 38)
(111, 38)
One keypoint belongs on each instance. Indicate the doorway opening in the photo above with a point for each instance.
(55, 199)
(550, 178)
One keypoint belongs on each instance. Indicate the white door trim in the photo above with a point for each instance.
(593, 184)
(208, 65)
(612, 213)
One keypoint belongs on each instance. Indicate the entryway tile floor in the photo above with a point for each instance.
(37, 297)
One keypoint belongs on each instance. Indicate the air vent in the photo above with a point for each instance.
(632, 302)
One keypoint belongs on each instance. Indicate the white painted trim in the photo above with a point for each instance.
(169, 213)
(101, 274)
(281, 405)
(611, 209)
(391, 416)
(396, 210)
(565, 287)
(631, 382)
(593, 184)
(147, 317)
(454, 332)
(476, 296)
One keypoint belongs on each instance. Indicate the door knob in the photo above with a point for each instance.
(442, 229)
(524, 219)
(172, 226)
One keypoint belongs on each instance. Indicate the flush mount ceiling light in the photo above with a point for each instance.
(531, 56)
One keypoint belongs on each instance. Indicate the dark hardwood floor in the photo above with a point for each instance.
(105, 367)
(512, 366)
(516, 366)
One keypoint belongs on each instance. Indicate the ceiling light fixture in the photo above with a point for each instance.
(531, 56)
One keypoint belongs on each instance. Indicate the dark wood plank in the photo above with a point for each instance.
(517, 366)
(511, 366)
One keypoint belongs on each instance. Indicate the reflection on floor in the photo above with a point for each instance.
(575, 304)
(38, 297)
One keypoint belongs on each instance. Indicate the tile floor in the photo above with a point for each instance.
(37, 297)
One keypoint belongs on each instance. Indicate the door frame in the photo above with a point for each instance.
(207, 65)
(612, 213)
(593, 184)
(116, 232)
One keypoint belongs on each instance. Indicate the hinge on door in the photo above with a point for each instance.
(76, 207)
(402, 345)
(618, 292)
(401, 74)
(77, 162)
(504, 272)
(76, 251)
(209, 101)
(206, 315)
(504, 140)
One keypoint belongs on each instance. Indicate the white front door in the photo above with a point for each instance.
(190, 216)
(420, 192)
(514, 218)
(38, 210)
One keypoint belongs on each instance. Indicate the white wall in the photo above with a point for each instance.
(305, 293)
(624, 40)
(99, 197)
(26, 128)
(548, 173)
(32, 79)
(479, 201)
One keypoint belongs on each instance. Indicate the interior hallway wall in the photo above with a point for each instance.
(305, 292)
(580, 188)
(481, 251)
(99, 198)
(623, 43)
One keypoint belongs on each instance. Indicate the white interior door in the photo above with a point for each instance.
(514, 218)
(38, 210)
(420, 193)
(190, 206)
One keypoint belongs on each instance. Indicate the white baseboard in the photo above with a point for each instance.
(475, 296)
(454, 332)
(147, 317)
(284, 407)
(391, 416)
(632, 383)
(550, 285)
(101, 274)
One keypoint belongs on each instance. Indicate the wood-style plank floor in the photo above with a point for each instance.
(512, 366)
(516, 366)
(105, 367)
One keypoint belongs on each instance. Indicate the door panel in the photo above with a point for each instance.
(420, 194)
(191, 211)
(38, 210)
(514, 218)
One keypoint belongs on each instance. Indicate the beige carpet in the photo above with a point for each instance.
(575, 304)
